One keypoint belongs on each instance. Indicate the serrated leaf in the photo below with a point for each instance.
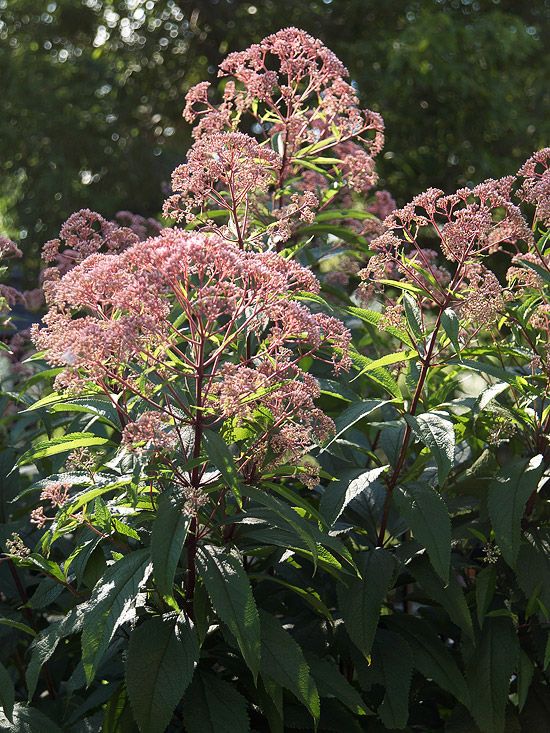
(436, 432)
(508, 494)
(283, 661)
(393, 661)
(220, 455)
(167, 540)
(231, 596)
(7, 693)
(428, 517)
(431, 657)
(27, 720)
(212, 705)
(451, 326)
(351, 416)
(110, 606)
(332, 683)
(161, 660)
(486, 582)
(337, 496)
(62, 444)
(45, 644)
(413, 317)
(360, 602)
(526, 671)
(450, 596)
(491, 668)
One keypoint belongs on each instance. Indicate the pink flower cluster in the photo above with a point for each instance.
(112, 317)
(294, 91)
(535, 189)
(470, 224)
(151, 429)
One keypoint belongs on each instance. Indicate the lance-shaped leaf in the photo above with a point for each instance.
(229, 590)
(413, 317)
(490, 671)
(451, 326)
(221, 457)
(427, 516)
(283, 661)
(27, 720)
(110, 606)
(336, 497)
(7, 693)
(486, 582)
(160, 664)
(361, 599)
(167, 539)
(352, 415)
(63, 444)
(508, 494)
(212, 705)
(436, 431)
(431, 656)
(450, 596)
(393, 664)
(331, 683)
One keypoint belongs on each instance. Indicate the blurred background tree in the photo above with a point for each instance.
(93, 92)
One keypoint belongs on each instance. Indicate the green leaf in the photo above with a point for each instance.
(27, 720)
(332, 683)
(360, 602)
(283, 661)
(374, 318)
(337, 496)
(7, 693)
(413, 317)
(44, 645)
(431, 657)
(526, 671)
(490, 671)
(451, 326)
(393, 662)
(167, 539)
(450, 596)
(160, 665)
(62, 444)
(486, 582)
(17, 625)
(110, 606)
(508, 494)
(231, 596)
(387, 360)
(436, 431)
(220, 455)
(212, 705)
(352, 415)
(427, 515)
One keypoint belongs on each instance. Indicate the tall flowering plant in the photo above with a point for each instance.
(292, 471)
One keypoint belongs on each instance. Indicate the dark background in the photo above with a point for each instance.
(92, 92)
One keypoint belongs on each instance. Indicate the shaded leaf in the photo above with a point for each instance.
(231, 596)
(508, 494)
(160, 664)
(393, 661)
(360, 602)
(167, 539)
(283, 661)
(428, 517)
(212, 705)
(110, 606)
(490, 671)
(337, 496)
